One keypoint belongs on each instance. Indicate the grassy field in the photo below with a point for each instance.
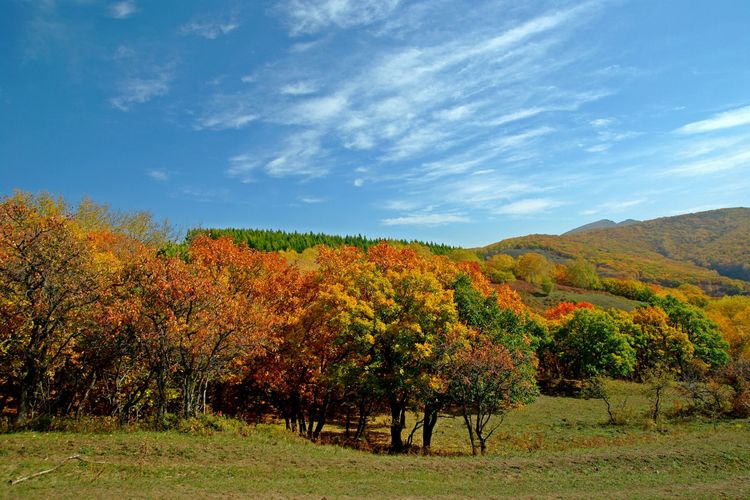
(557, 447)
(536, 300)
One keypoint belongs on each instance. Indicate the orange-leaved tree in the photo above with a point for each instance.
(47, 283)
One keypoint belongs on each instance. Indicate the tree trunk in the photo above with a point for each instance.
(348, 424)
(470, 429)
(28, 384)
(430, 419)
(161, 393)
(322, 414)
(362, 421)
(397, 443)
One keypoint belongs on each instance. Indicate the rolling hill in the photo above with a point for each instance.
(710, 249)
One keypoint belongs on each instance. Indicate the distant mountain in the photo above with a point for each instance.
(601, 224)
(710, 249)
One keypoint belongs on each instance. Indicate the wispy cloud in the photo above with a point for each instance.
(418, 109)
(242, 167)
(225, 112)
(400, 205)
(603, 122)
(299, 88)
(292, 158)
(225, 120)
(134, 91)
(122, 10)
(704, 147)
(159, 175)
(716, 164)
(311, 200)
(528, 207)
(728, 119)
(312, 16)
(209, 29)
(429, 219)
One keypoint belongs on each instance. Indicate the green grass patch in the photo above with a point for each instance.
(602, 300)
(555, 447)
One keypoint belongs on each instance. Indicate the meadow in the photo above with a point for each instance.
(555, 447)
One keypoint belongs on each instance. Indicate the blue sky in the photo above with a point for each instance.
(458, 122)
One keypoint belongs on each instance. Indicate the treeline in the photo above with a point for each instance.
(275, 240)
(96, 320)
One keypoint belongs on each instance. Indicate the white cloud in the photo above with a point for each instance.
(480, 155)
(734, 118)
(140, 90)
(528, 207)
(300, 47)
(603, 122)
(698, 148)
(159, 175)
(208, 29)
(226, 112)
(122, 10)
(515, 116)
(430, 219)
(318, 110)
(299, 88)
(399, 205)
(311, 200)
(242, 167)
(249, 78)
(598, 148)
(301, 156)
(454, 114)
(312, 16)
(716, 164)
(226, 120)
(428, 111)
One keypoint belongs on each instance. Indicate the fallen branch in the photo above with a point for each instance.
(53, 469)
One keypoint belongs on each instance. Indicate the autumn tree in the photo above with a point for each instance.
(139, 226)
(496, 368)
(500, 267)
(47, 283)
(582, 274)
(657, 343)
(534, 268)
(703, 333)
(564, 309)
(411, 312)
(732, 315)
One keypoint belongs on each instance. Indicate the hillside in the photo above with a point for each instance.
(710, 249)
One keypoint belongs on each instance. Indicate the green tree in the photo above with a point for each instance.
(534, 268)
(499, 268)
(495, 370)
(582, 274)
(703, 333)
(589, 343)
